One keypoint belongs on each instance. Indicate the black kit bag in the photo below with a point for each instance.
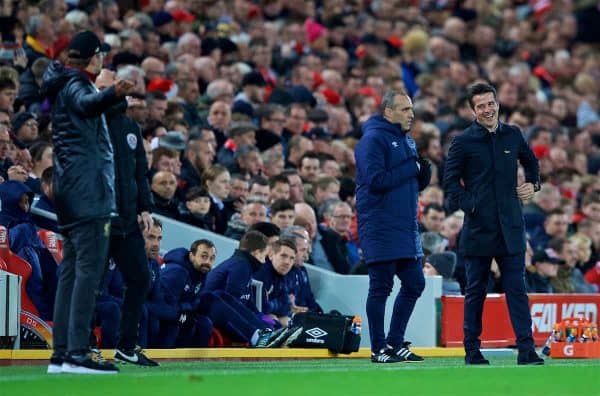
(333, 331)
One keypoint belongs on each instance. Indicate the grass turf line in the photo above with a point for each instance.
(331, 377)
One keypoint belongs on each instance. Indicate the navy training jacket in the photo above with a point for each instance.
(180, 282)
(234, 276)
(387, 192)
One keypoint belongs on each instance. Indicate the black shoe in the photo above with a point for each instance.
(87, 363)
(529, 357)
(387, 355)
(134, 356)
(405, 352)
(476, 358)
(56, 361)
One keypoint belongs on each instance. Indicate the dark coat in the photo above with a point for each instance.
(234, 276)
(132, 191)
(189, 175)
(537, 284)
(180, 283)
(25, 243)
(29, 91)
(206, 222)
(113, 285)
(83, 157)
(11, 213)
(487, 165)
(298, 284)
(32, 54)
(156, 303)
(335, 249)
(167, 208)
(46, 204)
(276, 295)
(387, 192)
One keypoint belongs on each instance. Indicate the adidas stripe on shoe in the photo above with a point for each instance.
(386, 356)
(405, 353)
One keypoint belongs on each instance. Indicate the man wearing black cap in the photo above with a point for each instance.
(25, 127)
(253, 90)
(84, 195)
(546, 264)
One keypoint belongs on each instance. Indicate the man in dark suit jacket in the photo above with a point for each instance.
(485, 158)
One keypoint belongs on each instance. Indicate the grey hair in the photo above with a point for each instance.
(188, 38)
(77, 18)
(171, 69)
(216, 87)
(128, 72)
(271, 156)
(145, 20)
(127, 34)
(327, 207)
(388, 100)
(294, 231)
(244, 150)
(33, 25)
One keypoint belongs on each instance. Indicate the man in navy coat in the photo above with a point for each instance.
(388, 180)
(481, 179)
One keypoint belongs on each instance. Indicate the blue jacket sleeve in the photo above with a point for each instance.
(458, 197)
(156, 302)
(280, 301)
(237, 281)
(172, 281)
(370, 160)
(309, 297)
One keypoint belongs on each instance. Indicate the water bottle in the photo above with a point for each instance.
(356, 327)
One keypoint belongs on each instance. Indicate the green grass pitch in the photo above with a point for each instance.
(331, 377)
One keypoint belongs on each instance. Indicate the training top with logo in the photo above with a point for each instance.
(181, 283)
(387, 192)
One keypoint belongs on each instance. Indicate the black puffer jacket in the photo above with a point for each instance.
(132, 191)
(83, 156)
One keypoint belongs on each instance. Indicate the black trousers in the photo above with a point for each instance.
(85, 252)
(129, 255)
(512, 269)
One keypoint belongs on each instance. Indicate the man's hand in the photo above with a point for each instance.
(296, 308)
(124, 87)
(17, 173)
(20, 58)
(525, 192)
(146, 220)
(239, 203)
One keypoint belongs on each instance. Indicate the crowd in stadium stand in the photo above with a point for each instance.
(250, 111)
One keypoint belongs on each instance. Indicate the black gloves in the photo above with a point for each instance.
(424, 174)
